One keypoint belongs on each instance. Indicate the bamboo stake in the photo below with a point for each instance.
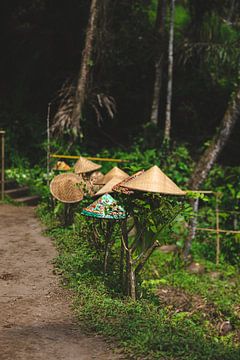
(88, 157)
(229, 211)
(217, 233)
(200, 191)
(220, 230)
(48, 142)
(2, 163)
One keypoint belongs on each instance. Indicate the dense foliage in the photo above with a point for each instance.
(182, 324)
(43, 41)
(178, 166)
(177, 315)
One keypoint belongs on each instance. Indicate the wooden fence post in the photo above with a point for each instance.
(48, 142)
(2, 133)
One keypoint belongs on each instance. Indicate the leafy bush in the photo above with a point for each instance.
(178, 165)
(34, 177)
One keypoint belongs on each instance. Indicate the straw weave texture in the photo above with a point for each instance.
(120, 187)
(96, 177)
(107, 188)
(84, 165)
(114, 172)
(67, 188)
(154, 180)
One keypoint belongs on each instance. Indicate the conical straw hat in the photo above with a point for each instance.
(106, 207)
(67, 188)
(107, 188)
(61, 165)
(84, 165)
(120, 187)
(114, 172)
(96, 177)
(154, 180)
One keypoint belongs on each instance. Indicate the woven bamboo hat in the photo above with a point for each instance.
(120, 186)
(67, 188)
(114, 172)
(154, 180)
(84, 165)
(61, 165)
(96, 177)
(106, 207)
(108, 187)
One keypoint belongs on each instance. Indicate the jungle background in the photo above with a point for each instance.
(42, 44)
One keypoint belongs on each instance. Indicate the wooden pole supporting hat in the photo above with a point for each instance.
(2, 133)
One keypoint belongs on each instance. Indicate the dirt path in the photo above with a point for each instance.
(35, 319)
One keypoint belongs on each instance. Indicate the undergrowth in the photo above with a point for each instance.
(177, 314)
(146, 328)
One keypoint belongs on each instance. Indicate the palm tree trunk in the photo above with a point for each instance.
(170, 74)
(83, 79)
(211, 154)
(160, 31)
(218, 142)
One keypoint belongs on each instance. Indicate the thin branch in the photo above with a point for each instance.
(147, 254)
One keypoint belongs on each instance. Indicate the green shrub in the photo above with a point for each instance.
(144, 328)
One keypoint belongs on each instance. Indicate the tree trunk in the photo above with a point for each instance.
(160, 31)
(192, 229)
(132, 279)
(220, 139)
(109, 241)
(125, 244)
(121, 266)
(231, 11)
(170, 74)
(210, 156)
(106, 253)
(146, 256)
(86, 63)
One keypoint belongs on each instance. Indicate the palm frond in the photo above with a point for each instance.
(62, 121)
(101, 102)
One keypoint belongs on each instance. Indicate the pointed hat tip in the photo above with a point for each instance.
(154, 180)
(84, 165)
